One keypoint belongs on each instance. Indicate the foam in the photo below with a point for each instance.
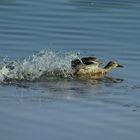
(45, 64)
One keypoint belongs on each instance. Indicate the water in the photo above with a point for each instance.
(38, 97)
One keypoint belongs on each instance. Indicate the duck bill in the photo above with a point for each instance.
(120, 66)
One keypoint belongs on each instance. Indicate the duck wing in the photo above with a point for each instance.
(90, 60)
(75, 63)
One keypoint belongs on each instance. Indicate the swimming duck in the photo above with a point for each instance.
(92, 69)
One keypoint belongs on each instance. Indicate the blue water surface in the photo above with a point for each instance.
(66, 108)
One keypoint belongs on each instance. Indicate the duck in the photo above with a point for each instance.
(90, 68)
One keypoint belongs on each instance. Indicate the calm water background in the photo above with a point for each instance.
(63, 109)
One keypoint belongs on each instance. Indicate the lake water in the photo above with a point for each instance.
(42, 36)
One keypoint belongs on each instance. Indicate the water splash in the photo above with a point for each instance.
(45, 64)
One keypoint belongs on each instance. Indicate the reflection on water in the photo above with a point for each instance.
(104, 91)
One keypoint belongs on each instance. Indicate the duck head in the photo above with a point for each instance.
(113, 64)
